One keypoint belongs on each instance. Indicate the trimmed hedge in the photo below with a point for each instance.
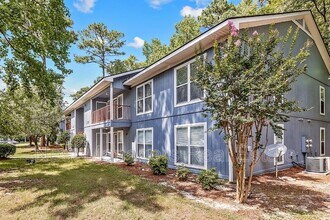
(6, 150)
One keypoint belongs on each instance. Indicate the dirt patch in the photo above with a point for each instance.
(294, 191)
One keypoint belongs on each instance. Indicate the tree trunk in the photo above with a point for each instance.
(77, 152)
(30, 140)
(43, 141)
(36, 143)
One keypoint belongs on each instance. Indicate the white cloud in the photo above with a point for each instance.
(157, 3)
(189, 11)
(85, 6)
(138, 43)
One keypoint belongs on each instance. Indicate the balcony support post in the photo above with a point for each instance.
(112, 145)
(111, 101)
(101, 143)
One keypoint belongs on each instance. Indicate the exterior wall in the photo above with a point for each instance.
(165, 115)
(80, 120)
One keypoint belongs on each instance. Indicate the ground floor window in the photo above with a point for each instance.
(279, 140)
(144, 142)
(190, 145)
(322, 141)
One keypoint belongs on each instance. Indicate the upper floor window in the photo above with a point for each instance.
(144, 98)
(186, 90)
(279, 140)
(322, 100)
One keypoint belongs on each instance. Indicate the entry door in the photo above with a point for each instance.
(118, 142)
(98, 145)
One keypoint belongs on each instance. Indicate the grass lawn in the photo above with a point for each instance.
(66, 188)
(24, 151)
(60, 188)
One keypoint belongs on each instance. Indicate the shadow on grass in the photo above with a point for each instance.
(69, 184)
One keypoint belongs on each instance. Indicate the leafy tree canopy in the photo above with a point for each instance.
(120, 66)
(100, 44)
(79, 93)
(32, 34)
(245, 86)
(154, 51)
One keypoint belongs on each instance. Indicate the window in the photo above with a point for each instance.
(144, 98)
(322, 141)
(186, 90)
(279, 140)
(190, 145)
(322, 100)
(144, 142)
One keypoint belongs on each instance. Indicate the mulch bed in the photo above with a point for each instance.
(268, 193)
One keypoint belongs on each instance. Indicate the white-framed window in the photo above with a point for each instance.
(118, 106)
(322, 100)
(144, 142)
(100, 104)
(144, 98)
(322, 141)
(279, 140)
(191, 145)
(186, 91)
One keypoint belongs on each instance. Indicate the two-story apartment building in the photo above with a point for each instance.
(158, 108)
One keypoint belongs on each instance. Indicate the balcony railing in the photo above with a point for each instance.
(120, 112)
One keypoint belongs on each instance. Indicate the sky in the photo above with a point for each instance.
(139, 20)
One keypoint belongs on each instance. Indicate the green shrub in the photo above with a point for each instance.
(208, 178)
(128, 159)
(6, 150)
(78, 141)
(182, 173)
(158, 164)
(63, 138)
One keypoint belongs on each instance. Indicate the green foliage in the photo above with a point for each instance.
(219, 10)
(186, 30)
(208, 178)
(79, 142)
(182, 173)
(100, 44)
(7, 150)
(158, 164)
(245, 86)
(128, 159)
(154, 51)
(63, 137)
(33, 34)
(120, 66)
(79, 93)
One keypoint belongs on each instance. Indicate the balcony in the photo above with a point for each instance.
(120, 112)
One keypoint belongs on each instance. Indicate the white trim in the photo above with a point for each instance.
(188, 102)
(321, 88)
(122, 99)
(275, 137)
(206, 41)
(204, 124)
(97, 102)
(120, 133)
(144, 141)
(322, 129)
(303, 27)
(143, 99)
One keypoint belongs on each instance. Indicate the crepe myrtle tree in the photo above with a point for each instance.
(245, 83)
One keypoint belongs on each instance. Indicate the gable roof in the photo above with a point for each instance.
(96, 89)
(207, 39)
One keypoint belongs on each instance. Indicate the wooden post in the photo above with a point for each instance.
(101, 143)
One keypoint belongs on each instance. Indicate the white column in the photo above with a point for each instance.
(231, 170)
(112, 145)
(111, 102)
(101, 143)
